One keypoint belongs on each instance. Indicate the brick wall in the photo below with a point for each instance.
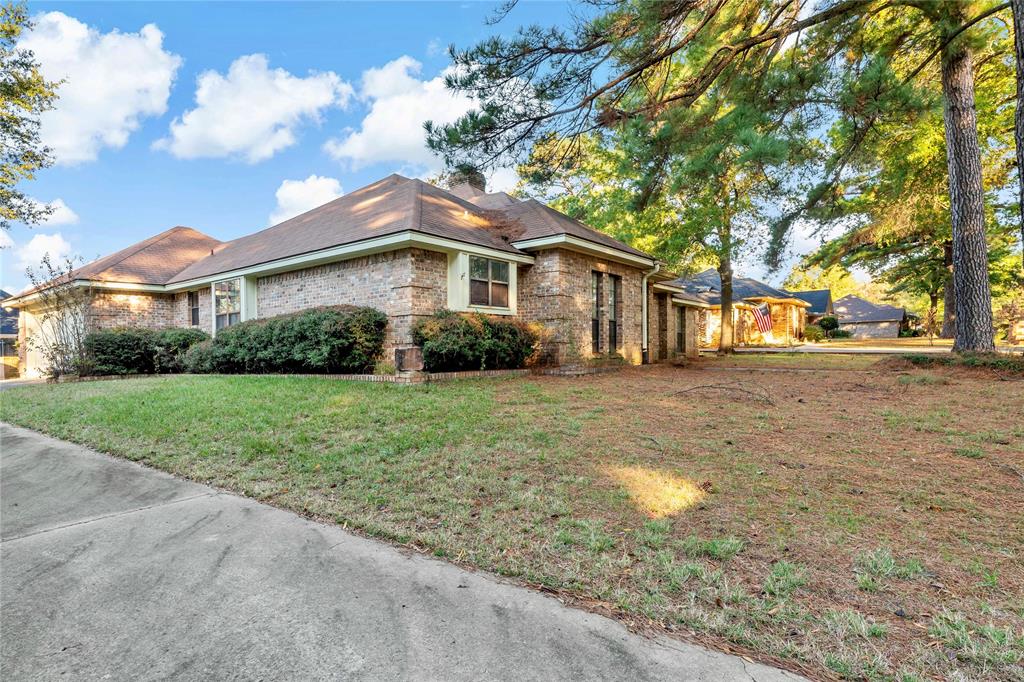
(183, 314)
(110, 309)
(405, 285)
(556, 292)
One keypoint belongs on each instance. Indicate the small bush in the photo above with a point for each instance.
(199, 359)
(829, 324)
(336, 340)
(842, 334)
(120, 351)
(454, 342)
(170, 346)
(813, 332)
(129, 350)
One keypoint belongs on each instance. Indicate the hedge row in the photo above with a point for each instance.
(453, 342)
(138, 351)
(335, 340)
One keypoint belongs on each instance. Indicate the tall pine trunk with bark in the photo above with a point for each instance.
(974, 330)
(1018, 114)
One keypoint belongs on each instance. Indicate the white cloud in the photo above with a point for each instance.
(62, 214)
(392, 130)
(5, 240)
(298, 196)
(29, 255)
(253, 111)
(112, 81)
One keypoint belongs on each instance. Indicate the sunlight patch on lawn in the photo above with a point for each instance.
(656, 493)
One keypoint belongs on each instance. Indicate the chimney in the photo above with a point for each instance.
(467, 182)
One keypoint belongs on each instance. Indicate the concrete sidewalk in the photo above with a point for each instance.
(114, 571)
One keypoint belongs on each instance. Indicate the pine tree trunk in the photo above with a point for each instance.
(725, 343)
(970, 251)
(1018, 115)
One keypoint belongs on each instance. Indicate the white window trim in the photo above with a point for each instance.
(246, 304)
(458, 286)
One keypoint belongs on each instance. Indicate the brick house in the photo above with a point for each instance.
(407, 248)
(788, 313)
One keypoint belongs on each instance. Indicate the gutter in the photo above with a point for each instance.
(645, 359)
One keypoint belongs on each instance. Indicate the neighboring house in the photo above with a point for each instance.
(409, 249)
(787, 312)
(867, 320)
(819, 300)
(8, 340)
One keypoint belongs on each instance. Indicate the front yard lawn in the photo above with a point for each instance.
(859, 524)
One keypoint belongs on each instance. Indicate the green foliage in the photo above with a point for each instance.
(24, 96)
(120, 351)
(841, 334)
(785, 577)
(998, 361)
(813, 333)
(337, 340)
(170, 346)
(129, 350)
(720, 549)
(828, 323)
(457, 342)
(835, 278)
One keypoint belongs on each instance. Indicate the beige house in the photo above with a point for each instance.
(407, 248)
(787, 312)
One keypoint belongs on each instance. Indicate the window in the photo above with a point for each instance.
(488, 282)
(7, 348)
(193, 308)
(595, 315)
(614, 296)
(680, 329)
(227, 301)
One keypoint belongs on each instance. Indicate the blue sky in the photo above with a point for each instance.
(228, 117)
(327, 71)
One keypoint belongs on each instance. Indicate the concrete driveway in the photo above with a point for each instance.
(109, 570)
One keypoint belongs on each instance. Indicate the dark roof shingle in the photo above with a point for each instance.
(707, 287)
(854, 309)
(818, 298)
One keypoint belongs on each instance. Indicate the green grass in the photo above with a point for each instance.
(740, 522)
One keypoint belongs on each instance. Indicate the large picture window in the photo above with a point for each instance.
(193, 308)
(488, 282)
(227, 301)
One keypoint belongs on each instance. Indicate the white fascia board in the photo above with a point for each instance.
(691, 304)
(567, 241)
(668, 287)
(28, 299)
(391, 242)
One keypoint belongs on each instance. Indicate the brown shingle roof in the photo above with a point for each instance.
(151, 261)
(539, 220)
(389, 206)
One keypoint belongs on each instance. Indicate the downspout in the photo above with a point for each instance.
(644, 357)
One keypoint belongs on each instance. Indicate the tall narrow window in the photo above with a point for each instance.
(595, 315)
(488, 282)
(614, 297)
(227, 297)
(680, 329)
(193, 308)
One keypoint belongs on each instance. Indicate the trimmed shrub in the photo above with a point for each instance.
(131, 350)
(828, 324)
(170, 346)
(841, 334)
(813, 332)
(120, 351)
(453, 342)
(335, 340)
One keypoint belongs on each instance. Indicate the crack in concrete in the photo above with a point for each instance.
(106, 516)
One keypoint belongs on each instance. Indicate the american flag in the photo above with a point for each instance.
(763, 318)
